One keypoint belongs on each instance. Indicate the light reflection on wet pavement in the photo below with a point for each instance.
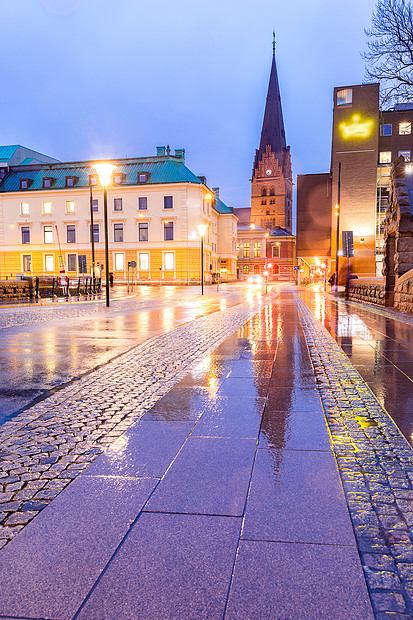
(379, 345)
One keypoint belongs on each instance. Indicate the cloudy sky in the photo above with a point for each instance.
(86, 79)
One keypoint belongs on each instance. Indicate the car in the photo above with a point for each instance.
(255, 279)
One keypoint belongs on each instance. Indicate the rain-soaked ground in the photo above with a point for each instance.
(50, 344)
(380, 346)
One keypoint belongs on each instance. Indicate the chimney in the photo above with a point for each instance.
(216, 192)
(160, 151)
(180, 153)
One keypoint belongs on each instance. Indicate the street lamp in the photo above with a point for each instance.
(337, 214)
(105, 174)
(202, 228)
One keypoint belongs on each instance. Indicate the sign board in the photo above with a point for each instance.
(347, 239)
(132, 264)
(82, 263)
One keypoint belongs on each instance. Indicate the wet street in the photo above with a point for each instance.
(49, 345)
(237, 456)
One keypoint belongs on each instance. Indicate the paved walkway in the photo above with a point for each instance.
(226, 498)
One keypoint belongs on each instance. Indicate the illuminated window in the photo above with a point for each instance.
(276, 251)
(246, 269)
(49, 262)
(143, 231)
(406, 155)
(257, 249)
(119, 261)
(169, 261)
(70, 206)
(95, 233)
(143, 261)
(345, 96)
(27, 262)
(246, 250)
(118, 233)
(71, 262)
(71, 233)
(405, 128)
(168, 231)
(25, 235)
(47, 207)
(385, 157)
(48, 235)
(263, 192)
(385, 130)
(95, 205)
(237, 250)
(117, 204)
(143, 203)
(267, 212)
(24, 208)
(168, 202)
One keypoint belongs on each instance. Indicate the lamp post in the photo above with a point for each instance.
(202, 228)
(337, 214)
(105, 174)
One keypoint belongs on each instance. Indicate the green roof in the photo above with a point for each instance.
(221, 207)
(168, 169)
(6, 152)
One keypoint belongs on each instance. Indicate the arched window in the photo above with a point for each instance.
(263, 192)
(272, 193)
(267, 212)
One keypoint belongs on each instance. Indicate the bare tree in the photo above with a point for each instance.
(389, 57)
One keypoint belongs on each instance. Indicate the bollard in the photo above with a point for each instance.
(53, 283)
(36, 294)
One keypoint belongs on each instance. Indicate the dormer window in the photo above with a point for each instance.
(93, 179)
(143, 177)
(71, 181)
(48, 182)
(25, 183)
(118, 178)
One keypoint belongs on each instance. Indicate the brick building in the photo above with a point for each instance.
(267, 226)
(365, 141)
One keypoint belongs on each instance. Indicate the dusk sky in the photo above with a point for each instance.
(86, 79)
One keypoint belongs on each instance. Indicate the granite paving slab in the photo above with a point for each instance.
(294, 430)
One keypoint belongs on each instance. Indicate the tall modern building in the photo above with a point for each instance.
(365, 141)
(265, 230)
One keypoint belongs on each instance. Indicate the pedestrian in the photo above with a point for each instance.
(111, 279)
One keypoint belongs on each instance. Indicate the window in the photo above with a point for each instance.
(405, 128)
(70, 181)
(47, 207)
(168, 231)
(263, 202)
(257, 249)
(143, 177)
(118, 178)
(276, 251)
(246, 269)
(95, 233)
(71, 262)
(168, 202)
(237, 250)
(118, 232)
(385, 157)
(345, 96)
(263, 192)
(48, 235)
(71, 233)
(169, 261)
(25, 234)
(27, 262)
(143, 261)
(142, 203)
(246, 250)
(49, 262)
(48, 182)
(272, 192)
(143, 231)
(70, 206)
(24, 208)
(95, 205)
(117, 204)
(267, 212)
(406, 155)
(119, 261)
(385, 130)
(25, 183)
(93, 180)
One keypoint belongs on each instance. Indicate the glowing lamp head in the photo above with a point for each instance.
(202, 228)
(337, 210)
(267, 234)
(104, 173)
(409, 168)
(208, 196)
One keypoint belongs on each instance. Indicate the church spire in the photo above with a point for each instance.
(272, 133)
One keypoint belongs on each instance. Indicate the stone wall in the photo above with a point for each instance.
(370, 290)
(13, 289)
(403, 293)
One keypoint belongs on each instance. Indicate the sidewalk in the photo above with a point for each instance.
(224, 500)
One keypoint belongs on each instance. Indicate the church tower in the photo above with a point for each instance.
(271, 183)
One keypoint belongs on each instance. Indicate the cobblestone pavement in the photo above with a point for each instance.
(45, 447)
(376, 467)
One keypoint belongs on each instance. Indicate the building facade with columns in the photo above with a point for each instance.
(154, 207)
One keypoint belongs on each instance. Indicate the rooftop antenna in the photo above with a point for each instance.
(273, 42)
